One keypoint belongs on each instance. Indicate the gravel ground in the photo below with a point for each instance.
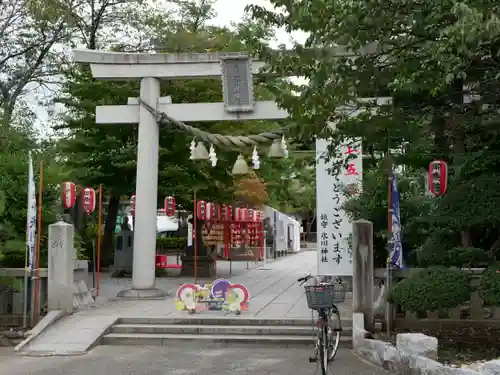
(185, 360)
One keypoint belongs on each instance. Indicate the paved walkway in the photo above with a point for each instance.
(274, 294)
(195, 359)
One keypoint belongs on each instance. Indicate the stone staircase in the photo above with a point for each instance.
(164, 331)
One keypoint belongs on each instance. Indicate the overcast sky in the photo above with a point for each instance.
(232, 11)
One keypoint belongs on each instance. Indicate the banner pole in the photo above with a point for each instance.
(36, 307)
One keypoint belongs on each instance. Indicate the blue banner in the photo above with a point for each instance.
(397, 246)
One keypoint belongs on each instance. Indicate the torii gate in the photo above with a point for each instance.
(235, 69)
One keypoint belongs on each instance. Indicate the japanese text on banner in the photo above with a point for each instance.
(334, 179)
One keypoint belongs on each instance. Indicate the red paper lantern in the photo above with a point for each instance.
(170, 206)
(249, 216)
(259, 216)
(210, 211)
(219, 212)
(240, 214)
(438, 177)
(88, 200)
(68, 194)
(201, 210)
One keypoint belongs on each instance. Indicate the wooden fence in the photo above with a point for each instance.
(472, 314)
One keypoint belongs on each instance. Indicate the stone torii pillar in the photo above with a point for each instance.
(146, 195)
(236, 71)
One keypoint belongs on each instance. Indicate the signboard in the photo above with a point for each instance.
(220, 295)
(333, 180)
(237, 86)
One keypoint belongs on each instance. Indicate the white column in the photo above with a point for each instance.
(62, 257)
(143, 268)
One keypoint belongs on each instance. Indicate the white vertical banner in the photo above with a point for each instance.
(31, 216)
(334, 228)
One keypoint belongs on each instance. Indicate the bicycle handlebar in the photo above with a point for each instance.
(302, 280)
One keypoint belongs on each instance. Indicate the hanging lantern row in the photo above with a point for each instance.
(211, 211)
(438, 177)
(68, 195)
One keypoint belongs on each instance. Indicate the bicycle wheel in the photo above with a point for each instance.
(335, 329)
(323, 349)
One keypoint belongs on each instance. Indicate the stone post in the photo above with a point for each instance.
(62, 256)
(143, 268)
(363, 272)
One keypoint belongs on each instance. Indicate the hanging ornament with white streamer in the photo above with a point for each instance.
(284, 146)
(192, 146)
(212, 155)
(255, 158)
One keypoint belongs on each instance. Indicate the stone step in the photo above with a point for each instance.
(163, 339)
(219, 329)
(224, 321)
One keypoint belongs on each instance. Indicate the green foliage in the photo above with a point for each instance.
(443, 82)
(372, 205)
(79, 244)
(171, 243)
(291, 183)
(14, 183)
(456, 257)
(469, 204)
(489, 288)
(432, 289)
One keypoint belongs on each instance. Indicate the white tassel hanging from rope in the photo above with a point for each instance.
(212, 155)
(192, 146)
(255, 158)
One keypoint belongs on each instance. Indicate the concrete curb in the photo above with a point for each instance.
(45, 323)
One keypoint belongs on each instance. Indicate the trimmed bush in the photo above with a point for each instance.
(171, 242)
(455, 257)
(489, 287)
(434, 288)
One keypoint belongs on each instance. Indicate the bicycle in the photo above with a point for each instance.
(323, 297)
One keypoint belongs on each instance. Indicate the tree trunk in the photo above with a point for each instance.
(108, 245)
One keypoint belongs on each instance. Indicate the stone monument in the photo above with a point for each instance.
(204, 259)
(62, 256)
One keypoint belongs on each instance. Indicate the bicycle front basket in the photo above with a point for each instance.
(325, 296)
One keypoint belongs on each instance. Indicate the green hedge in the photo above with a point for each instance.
(455, 257)
(171, 242)
(432, 289)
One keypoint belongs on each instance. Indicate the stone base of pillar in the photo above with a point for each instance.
(204, 264)
(142, 294)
